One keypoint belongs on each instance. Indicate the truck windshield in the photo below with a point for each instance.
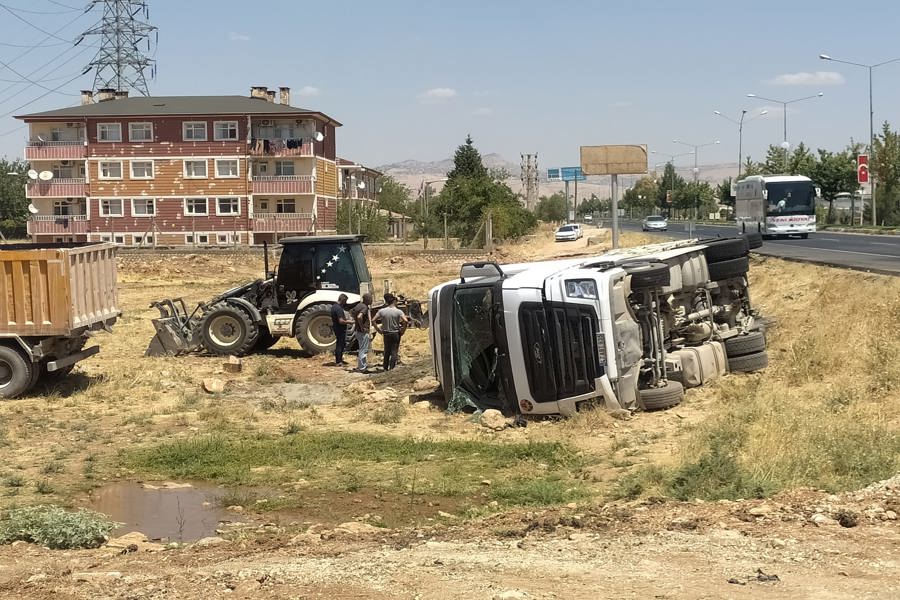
(475, 353)
(790, 198)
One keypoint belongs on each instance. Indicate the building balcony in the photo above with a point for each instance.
(62, 224)
(282, 184)
(283, 222)
(69, 150)
(279, 147)
(61, 187)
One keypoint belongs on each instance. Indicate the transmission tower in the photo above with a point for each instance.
(120, 64)
(530, 179)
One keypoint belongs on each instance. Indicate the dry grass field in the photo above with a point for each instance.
(292, 442)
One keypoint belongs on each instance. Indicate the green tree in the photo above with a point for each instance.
(723, 192)
(695, 198)
(467, 162)
(670, 180)
(886, 167)
(552, 209)
(592, 205)
(393, 195)
(835, 173)
(800, 160)
(750, 168)
(13, 204)
(362, 217)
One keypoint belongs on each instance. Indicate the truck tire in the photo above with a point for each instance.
(726, 269)
(16, 372)
(226, 329)
(726, 249)
(754, 239)
(313, 329)
(647, 274)
(748, 363)
(742, 345)
(662, 397)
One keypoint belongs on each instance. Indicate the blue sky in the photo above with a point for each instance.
(411, 79)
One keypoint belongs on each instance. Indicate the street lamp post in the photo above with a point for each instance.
(784, 103)
(740, 124)
(871, 119)
(696, 148)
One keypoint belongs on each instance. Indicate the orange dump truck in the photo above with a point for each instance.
(52, 298)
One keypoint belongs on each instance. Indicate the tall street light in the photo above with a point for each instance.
(785, 144)
(871, 117)
(696, 148)
(740, 124)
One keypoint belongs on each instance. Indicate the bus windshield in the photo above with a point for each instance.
(790, 198)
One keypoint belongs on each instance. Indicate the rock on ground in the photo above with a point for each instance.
(493, 419)
(426, 384)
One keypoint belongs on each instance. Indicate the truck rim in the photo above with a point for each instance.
(225, 330)
(320, 331)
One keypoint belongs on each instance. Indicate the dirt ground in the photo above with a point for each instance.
(63, 444)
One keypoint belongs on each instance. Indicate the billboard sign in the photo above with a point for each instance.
(565, 174)
(628, 159)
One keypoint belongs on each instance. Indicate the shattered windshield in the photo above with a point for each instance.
(475, 354)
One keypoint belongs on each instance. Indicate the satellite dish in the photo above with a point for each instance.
(32, 174)
(317, 136)
(40, 139)
(46, 175)
(361, 185)
(33, 209)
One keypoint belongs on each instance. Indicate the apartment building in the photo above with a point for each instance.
(181, 170)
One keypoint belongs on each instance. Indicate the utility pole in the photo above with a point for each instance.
(529, 177)
(120, 64)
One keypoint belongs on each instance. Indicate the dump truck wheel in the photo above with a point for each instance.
(662, 397)
(265, 341)
(748, 363)
(726, 269)
(648, 274)
(742, 345)
(15, 372)
(313, 329)
(726, 249)
(226, 329)
(754, 239)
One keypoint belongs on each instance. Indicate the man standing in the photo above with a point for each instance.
(391, 320)
(339, 322)
(362, 318)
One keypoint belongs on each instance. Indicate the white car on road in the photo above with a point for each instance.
(569, 233)
(654, 223)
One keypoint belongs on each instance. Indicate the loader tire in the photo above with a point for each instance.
(748, 363)
(742, 345)
(754, 239)
(726, 269)
(662, 397)
(725, 249)
(313, 329)
(648, 274)
(228, 330)
(16, 372)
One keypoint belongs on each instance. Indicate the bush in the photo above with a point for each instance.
(53, 527)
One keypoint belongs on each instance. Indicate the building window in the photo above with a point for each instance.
(284, 167)
(111, 169)
(143, 207)
(195, 169)
(194, 131)
(111, 208)
(225, 130)
(223, 238)
(109, 132)
(142, 169)
(140, 132)
(228, 206)
(263, 206)
(61, 208)
(119, 239)
(137, 239)
(286, 206)
(202, 239)
(196, 207)
(62, 171)
(105, 237)
(227, 168)
(260, 169)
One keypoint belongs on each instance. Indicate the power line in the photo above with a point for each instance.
(33, 26)
(18, 108)
(26, 78)
(119, 63)
(63, 5)
(40, 12)
(48, 36)
(56, 68)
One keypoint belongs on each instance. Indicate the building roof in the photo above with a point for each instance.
(146, 106)
(349, 164)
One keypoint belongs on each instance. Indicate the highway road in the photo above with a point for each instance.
(876, 253)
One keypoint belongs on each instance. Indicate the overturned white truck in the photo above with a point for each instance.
(630, 328)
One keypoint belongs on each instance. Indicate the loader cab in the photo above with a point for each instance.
(308, 264)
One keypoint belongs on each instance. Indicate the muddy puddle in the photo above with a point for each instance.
(177, 512)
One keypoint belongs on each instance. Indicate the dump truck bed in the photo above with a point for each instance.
(57, 289)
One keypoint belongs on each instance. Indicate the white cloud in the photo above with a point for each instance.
(620, 104)
(804, 78)
(309, 90)
(439, 94)
(483, 111)
(238, 37)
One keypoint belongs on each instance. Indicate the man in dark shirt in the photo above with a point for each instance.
(362, 318)
(392, 321)
(339, 322)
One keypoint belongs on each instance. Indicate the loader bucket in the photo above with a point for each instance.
(174, 334)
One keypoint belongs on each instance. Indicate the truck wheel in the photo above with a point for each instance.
(313, 329)
(748, 363)
(726, 269)
(754, 239)
(647, 274)
(15, 372)
(662, 397)
(742, 345)
(227, 329)
(265, 341)
(725, 249)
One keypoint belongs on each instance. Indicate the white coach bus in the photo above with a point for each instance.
(776, 205)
